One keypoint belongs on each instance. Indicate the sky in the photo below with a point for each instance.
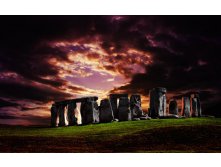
(51, 58)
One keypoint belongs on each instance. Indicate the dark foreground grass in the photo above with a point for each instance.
(157, 135)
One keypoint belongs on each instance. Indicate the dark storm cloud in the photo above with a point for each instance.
(186, 56)
(5, 103)
(20, 91)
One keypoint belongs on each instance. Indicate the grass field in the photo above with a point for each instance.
(156, 135)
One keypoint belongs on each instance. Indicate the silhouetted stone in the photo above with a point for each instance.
(54, 115)
(71, 114)
(106, 113)
(114, 105)
(89, 112)
(193, 107)
(186, 107)
(61, 115)
(173, 108)
(124, 110)
(157, 102)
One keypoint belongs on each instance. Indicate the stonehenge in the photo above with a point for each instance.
(64, 111)
(120, 107)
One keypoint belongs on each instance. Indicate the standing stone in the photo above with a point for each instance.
(113, 102)
(173, 108)
(66, 115)
(54, 116)
(114, 105)
(135, 106)
(71, 114)
(89, 112)
(186, 107)
(193, 106)
(157, 102)
(96, 118)
(61, 115)
(106, 112)
(78, 116)
(86, 112)
(196, 105)
(124, 110)
(199, 109)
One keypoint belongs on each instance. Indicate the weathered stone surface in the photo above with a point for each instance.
(61, 115)
(173, 108)
(89, 114)
(71, 114)
(106, 113)
(196, 105)
(66, 115)
(78, 115)
(135, 106)
(54, 115)
(114, 105)
(193, 107)
(186, 107)
(157, 102)
(96, 117)
(124, 110)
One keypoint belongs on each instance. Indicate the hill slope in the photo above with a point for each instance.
(157, 135)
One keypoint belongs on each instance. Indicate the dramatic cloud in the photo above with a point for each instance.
(51, 58)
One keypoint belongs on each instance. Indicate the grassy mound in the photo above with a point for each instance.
(157, 135)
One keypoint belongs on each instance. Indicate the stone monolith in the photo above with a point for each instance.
(186, 107)
(54, 115)
(124, 109)
(157, 102)
(173, 108)
(61, 115)
(106, 112)
(71, 114)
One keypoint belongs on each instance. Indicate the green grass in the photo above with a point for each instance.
(130, 136)
(115, 128)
